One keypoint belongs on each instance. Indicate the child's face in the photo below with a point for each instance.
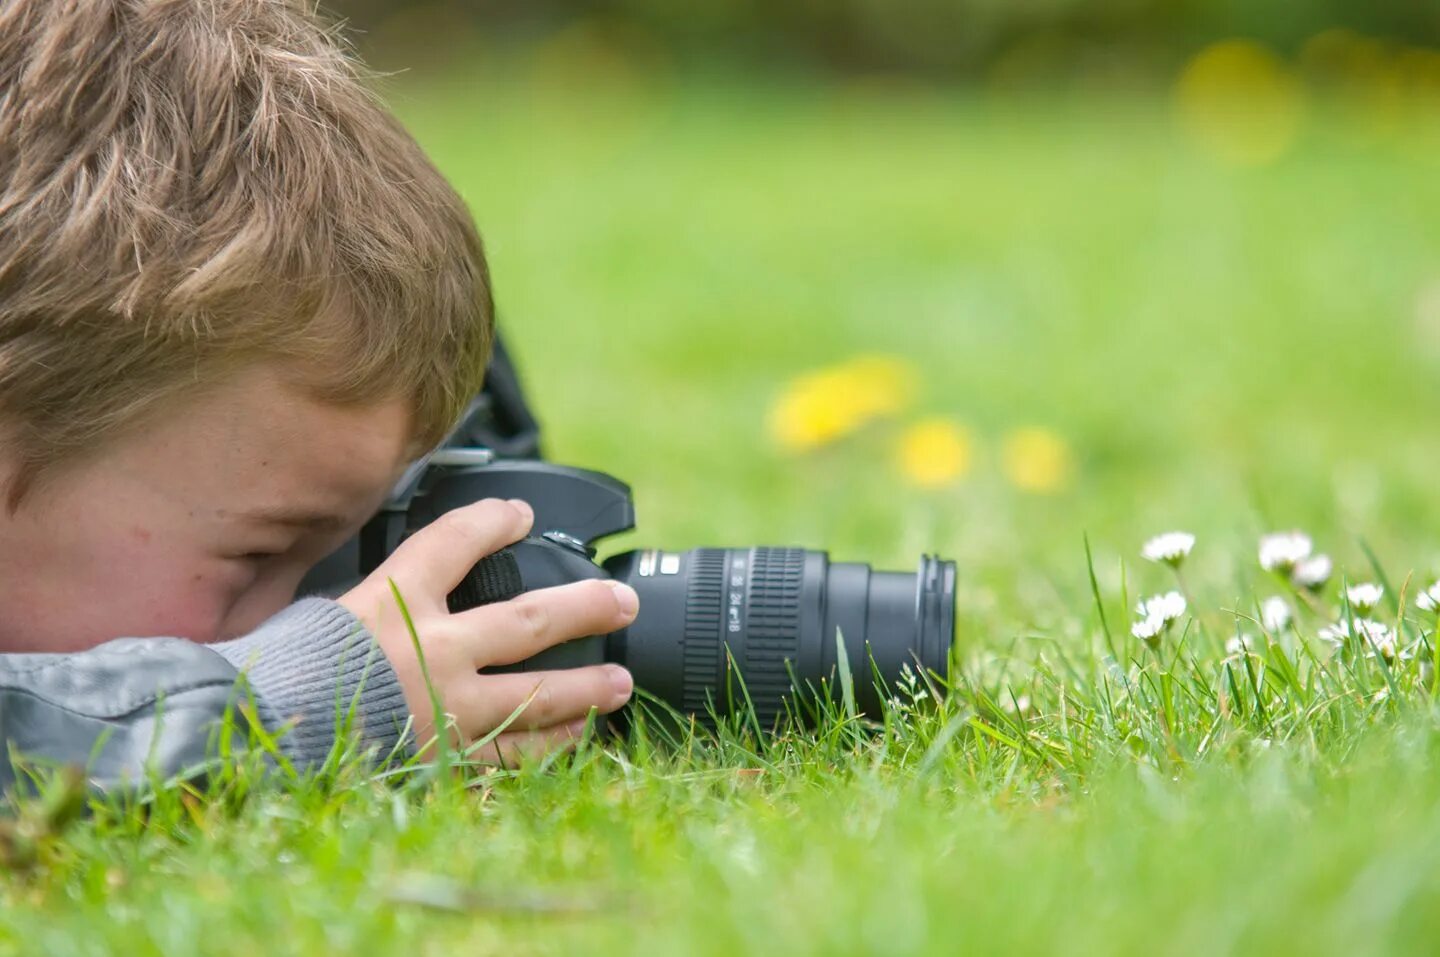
(199, 525)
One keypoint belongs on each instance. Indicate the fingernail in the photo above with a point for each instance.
(524, 508)
(625, 596)
(621, 681)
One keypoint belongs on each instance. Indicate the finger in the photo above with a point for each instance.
(435, 559)
(512, 747)
(511, 631)
(543, 698)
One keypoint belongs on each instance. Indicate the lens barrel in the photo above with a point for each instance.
(716, 619)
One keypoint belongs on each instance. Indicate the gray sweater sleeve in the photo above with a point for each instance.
(307, 666)
(138, 706)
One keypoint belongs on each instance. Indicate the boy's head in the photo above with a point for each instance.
(202, 210)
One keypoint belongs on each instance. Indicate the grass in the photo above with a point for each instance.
(1227, 351)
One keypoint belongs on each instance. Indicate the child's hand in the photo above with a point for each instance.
(432, 562)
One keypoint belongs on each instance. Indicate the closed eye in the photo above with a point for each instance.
(256, 557)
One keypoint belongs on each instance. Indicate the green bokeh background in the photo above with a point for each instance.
(953, 39)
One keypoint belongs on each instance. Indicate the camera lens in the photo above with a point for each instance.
(711, 615)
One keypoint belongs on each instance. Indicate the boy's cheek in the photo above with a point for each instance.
(194, 608)
(183, 592)
(129, 614)
(267, 596)
(182, 600)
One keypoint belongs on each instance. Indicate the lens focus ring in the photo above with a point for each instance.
(704, 619)
(772, 632)
(750, 601)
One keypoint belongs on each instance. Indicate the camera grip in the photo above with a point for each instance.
(494, 578)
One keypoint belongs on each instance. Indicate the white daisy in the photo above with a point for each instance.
(1312, 573)
(1157, 613)
(1429, 599)
(1388, 648)
(1377, 636)
(1274, 613)
(1281, 551)
(1337, 633)
(1239, 643)
(1149, 629)
(1364, 596)
(1166, 607)
(1171, 548)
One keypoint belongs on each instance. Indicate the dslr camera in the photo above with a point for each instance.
(719, 629)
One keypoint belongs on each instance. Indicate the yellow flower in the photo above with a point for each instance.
(1037, 460)
(934, 452)
(828, 404)
(1239, 102)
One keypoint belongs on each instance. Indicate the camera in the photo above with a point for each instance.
(719, 629)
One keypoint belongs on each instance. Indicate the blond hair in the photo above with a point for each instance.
(189, 186)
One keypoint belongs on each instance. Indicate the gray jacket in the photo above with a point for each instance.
(134, 704)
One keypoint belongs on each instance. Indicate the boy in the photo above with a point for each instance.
(235, 301)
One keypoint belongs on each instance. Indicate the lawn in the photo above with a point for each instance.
(1225, 350)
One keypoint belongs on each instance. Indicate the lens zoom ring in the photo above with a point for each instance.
(704, 615)
(772, 626)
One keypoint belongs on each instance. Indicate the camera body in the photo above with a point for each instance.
(573, 509)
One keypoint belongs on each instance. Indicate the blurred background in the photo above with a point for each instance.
(977, 277)
(997, 40)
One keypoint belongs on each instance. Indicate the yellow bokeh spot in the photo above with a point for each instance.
(935, 452)
(1239, 103)
(827, 404)
(1037, 460)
